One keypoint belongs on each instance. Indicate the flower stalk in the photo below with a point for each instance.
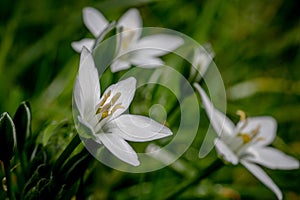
(9, 183)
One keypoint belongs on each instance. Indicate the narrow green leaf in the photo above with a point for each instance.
(75, 167)
(22, 121)
(7, 137)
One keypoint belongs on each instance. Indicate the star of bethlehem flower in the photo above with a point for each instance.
(132, 49)
(101, 118)
(202, 58)
(247, 142)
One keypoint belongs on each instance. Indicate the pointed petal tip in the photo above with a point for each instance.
(89, 9)
(197, 86)
(135, 163)
(86, 42)
(132, 80)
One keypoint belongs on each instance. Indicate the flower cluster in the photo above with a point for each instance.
(123, 116)
(100, 117)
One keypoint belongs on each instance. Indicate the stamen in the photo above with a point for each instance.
(104, 114)
(116, 107)
(105, 108)
(245, 137)
(115, 98)
(106, 95)
(255, 131)
(260, 139)
(242, 115)
(243, 119)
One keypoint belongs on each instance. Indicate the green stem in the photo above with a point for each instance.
(175, 106)
(216, 165)
(67, 152)
(181, 97)
(8, 180)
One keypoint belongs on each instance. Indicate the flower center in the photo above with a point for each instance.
(108, 106)
(127, 37)
(247, 136)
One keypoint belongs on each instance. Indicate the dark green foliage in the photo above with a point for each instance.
(7, 137)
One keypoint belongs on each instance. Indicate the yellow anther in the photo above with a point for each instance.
(246, 138)
(104, 114)
(106, 95)
(105, 108)
(260, 139)
(255, 131)
(242, 115)
(116, 107)
(115, 98)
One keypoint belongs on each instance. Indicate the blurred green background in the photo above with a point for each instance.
(256, 45)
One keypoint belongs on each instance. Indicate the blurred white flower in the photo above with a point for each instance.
(96, 23)
(137, 50)
(247, 142)
(102, 119)
(132, 49)
(201, 60)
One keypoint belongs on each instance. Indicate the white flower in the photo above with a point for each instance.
(96, 23)
(141, 51)
(201, 60)
(101, 118)
(132, 49)
(247, 142)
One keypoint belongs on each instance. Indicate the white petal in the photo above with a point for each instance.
(85, 129)
(219, 121)
(271, 158)
(87, 84)
(78, 45)
(201, 61)
(224, 151)
(137, 128)
(146, 61)
(131, 20)
(119, 147)
(78, 98)
(119, 65)
(267, 129)
(94, 20)
(160, 44)
(263, 177)
(127, 89)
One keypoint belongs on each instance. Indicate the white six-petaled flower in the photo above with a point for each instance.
(101, 118)
(247, 142)
(132, 49)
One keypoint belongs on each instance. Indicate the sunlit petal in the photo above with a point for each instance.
(137, 128)
(263, 177)
(266, 127)
(126, 90)
(119, 65)
(219, 121)
(78, 45)
(87, 86)
(131, 21)
(159, 44)
(119, 147)
(271, 158)
(226, 152)
(146, 61)
(94, 20)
